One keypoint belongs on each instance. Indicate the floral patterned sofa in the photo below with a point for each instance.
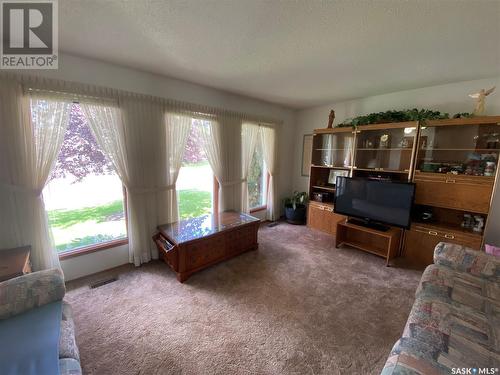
(455, 320)
(35, 290)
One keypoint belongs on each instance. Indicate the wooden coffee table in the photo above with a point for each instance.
(14, 262)
(191, 245)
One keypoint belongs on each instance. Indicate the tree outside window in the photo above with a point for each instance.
(84, 197)
(257, 179)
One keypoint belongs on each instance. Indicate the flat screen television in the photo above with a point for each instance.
(375, 202)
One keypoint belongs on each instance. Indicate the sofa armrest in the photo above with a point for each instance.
(26, 292)
(464, 259)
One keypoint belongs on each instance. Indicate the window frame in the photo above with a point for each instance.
(264, 206)
(252, 210)
(103, 245)
(92, 248)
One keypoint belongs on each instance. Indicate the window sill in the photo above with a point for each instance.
(257, 209)
(92, 249)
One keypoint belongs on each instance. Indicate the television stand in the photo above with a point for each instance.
(369, 224)
(382, 243)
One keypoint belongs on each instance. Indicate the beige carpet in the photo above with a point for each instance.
(295, 306)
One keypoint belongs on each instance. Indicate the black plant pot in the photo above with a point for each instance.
(297, 216)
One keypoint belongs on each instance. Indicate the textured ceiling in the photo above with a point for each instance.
(298, 54)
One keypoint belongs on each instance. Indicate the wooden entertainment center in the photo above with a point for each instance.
(452, 162)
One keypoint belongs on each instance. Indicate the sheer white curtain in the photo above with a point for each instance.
(221, 140)
(249, 137)
(269, 149)
(32, 129)
(104, 119)
(133, 137)
(177, 132)
(145, 146)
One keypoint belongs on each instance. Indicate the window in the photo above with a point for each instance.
(195, 184)
(84, 197)
(257, 179)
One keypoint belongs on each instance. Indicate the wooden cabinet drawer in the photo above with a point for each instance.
(321, 217)
(420, 242)
(469, 240)
(316, 217)
(240, 240)
(199, 253)
(333, 220)
(167, 251)
(468, 193)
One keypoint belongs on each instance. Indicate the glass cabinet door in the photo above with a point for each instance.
(333, 149)
(385, 149)
(459, 149)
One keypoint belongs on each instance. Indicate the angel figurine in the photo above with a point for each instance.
(331, 118)
(481, 96)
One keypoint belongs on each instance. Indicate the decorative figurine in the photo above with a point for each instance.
(368, 144)
(492, 140)
(467, 222)
(481, 98)
(478, 223)
(331, 118)
(490, 168)
(405, 143)
(384, 141)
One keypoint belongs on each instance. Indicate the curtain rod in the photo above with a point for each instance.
(95, 92)
(69, 94)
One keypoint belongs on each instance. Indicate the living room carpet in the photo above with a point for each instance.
(295, 306)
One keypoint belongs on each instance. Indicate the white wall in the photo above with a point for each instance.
(87, 264)
(78, 69)
(451, 98)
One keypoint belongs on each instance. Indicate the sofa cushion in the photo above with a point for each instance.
(456, 315)
(463, 259)
(460, 287)
(413, 357)
(29, 341)
(26, 292)
(67, 342)
(453, 328)
(69, 366)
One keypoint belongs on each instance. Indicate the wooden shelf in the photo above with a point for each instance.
(460, 149)
(385, 149)
(369, 249)
(384, 244)
(323, 188)
(379, 170)
(329, 149)
(330, 167)
(388, 234)
(420, 173)
(344, 129)
(476, 120)
(390, 125)
(325, 204)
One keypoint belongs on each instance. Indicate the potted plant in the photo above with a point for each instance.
(295, 208)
